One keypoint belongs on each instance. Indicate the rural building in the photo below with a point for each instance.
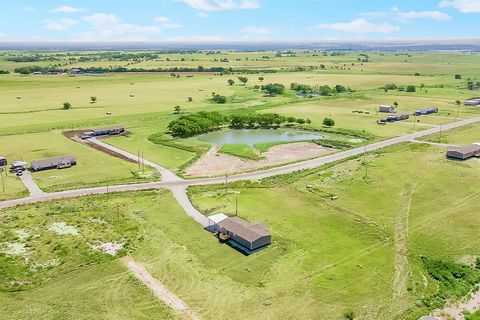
(75, 71)
(53, 163)
(251, 236)
(398, 117)
(425, 111)
(386, 109)
(18, 165)
(3, 161)
(103, 132)
(472, 102)
(465, 152)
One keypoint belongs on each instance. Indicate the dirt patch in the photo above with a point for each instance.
(62, 228)
(13, 249)
(111, 248)
(214, 163)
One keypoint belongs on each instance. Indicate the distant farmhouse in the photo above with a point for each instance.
(3, 161)
(386, 109)
(465, 152)
(474, 102)
(398, 117)
(425, 111)
(247, 237)
(75, 71)
(53, 163)
(103, 132)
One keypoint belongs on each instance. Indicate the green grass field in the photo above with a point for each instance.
(93, 167)
(363, 252)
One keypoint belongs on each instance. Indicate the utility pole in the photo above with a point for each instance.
(73, 132)
(414, 121)
(143, 163)
(138, 159)
(3, 182)
(226, 183)
(236, 206)
(441, 127)
(365, 162)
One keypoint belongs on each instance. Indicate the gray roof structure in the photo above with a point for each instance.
(246, 230)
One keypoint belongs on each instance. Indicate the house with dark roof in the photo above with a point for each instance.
(251, 236)
(53, 163)
(465, 152)
(103, 132)
(398, 117)
(3, 161)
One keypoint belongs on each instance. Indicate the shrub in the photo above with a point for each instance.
(328, 122)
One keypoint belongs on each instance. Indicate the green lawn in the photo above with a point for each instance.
(93, 167)
(459, 136)
(241, 151)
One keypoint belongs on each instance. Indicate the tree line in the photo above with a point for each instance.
(323, 90)
(202, 122)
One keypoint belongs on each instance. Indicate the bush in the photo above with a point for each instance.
(219, 99)
(197, 123)
(411, 88)
(328, 122)
(273, 89)
(67, 106)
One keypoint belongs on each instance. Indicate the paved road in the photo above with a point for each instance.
(30, 184)
(159, 289)
(174, 182)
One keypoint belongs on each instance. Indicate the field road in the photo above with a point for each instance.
(173, 182)
(30, 184)
(159, 289)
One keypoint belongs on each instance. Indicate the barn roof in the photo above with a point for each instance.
(469, 148)
(248, 231)
(46, 163)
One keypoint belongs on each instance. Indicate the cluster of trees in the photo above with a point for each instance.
(31, 69)
(202, 122)
(4, 72)
(34, 58)
(473, 86)
(324, 90)
(393, 86)
(218, 98)
(273, 89)
(197, 123)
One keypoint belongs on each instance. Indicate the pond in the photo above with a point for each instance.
(252, 137)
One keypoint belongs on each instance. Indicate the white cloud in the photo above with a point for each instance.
(60, 25)
(66, 9)
(110, 27)
(196, 39)
(434, 15)
(257, 30)
(166, 22)
(202, 15)
(220, 5)
(465, 6)
(395, 13)
(358, 26)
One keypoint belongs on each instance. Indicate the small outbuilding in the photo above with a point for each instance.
(398, 117)
(386, 109)
(18, 165)
(425, 111)
(214, 220)
(250, 236)
(53, 163)
(473, 102)
(465, 152)
(3, 161)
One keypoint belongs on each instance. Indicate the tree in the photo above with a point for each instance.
(273, 89)
(300, 121)
(93, 99)
(218, 98)
(458, 76)
(177, 109)
(231, 82)
(395, 104)
(291, 119)
(243, 80)
(67, 105)
(349, 315)
(261, 79)
(308, 121)
(328, 122)
(340, 88)
(411, 88)
(190, 99)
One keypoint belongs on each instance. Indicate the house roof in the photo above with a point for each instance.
(45, 163)
(469, 148)
(248, 231)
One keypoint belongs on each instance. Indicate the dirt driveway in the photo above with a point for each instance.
(214, 163)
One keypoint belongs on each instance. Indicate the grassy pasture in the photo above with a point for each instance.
(93, 167)
(346, 251)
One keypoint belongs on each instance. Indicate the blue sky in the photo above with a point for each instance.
(234, 20)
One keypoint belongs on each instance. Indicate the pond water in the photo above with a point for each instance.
(252, 137)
